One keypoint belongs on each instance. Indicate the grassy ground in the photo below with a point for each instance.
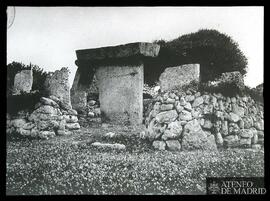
(69, 165)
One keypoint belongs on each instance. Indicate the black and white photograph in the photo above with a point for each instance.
(135, 100)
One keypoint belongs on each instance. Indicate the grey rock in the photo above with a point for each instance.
(173, 145)
(185, 116)
(256, 146)
(259, 125)
(47, 109)
(188, 107)
(46, 134)
(190, 98)
(208, 109)
(245, 142)
(175, 127)
(70, 118)
(47, 101)
(169, 101)
(179, 108)
(234, 117)
(219, 139)
(248, 122)
(197, 102)
(175, 77)
(233, 129)
(224, 128)
(260, 134)
(57, 84)
(72, 126)
(18, 123)
(28, 126)
(159, 145)
(231, 141)
(254, 139)
(168, 134)
(64, 132)
(167, 117)
(246, 133)
(182, 101)
(23, 82)
(207, 124)
(240, 111)
(166, 107)
(115, 146)
(91, 102)
(194, 138)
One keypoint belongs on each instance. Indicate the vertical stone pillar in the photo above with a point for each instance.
(121, 93)
(57, 84)
(78, 93)
(23, 82)
(119, 71)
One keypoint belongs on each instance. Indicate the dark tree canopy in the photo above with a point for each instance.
(214, 51)
(39, 75)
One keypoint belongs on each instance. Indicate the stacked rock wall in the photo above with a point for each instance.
(51, 116)
(194, 120)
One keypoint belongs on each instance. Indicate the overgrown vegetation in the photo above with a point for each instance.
(215, 52)
(39, 75)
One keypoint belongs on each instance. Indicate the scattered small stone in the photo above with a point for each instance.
(159, 145)
(116, 146)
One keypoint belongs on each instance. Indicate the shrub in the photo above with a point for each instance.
(214, 51)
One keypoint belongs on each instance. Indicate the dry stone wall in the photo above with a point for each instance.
(193, 120)
(52, 115)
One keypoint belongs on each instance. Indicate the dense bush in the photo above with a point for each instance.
(39, 75)
(214, 51)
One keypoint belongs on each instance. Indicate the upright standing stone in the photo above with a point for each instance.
(179, 76)
(78, 93)
(120, 93)
(119, 71)
(23, 82)
(57, 84)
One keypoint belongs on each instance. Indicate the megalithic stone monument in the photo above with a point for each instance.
(120, 74)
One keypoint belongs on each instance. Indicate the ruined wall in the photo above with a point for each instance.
(206, 121)
(51, 116)
(57, 84)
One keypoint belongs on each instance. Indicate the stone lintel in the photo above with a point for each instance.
(118, 52)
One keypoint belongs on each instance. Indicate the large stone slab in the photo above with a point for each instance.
(57, 84)
(121, 93)
(120, 51)
(78, 93)
(23, 82)
(175, 77)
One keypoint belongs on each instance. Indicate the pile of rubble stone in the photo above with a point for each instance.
(51, 117)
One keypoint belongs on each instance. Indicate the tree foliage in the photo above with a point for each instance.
(215, 52)
(39, 75)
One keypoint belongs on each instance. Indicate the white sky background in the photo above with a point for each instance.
(49, 36)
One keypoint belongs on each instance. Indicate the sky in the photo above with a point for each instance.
(49, 36)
